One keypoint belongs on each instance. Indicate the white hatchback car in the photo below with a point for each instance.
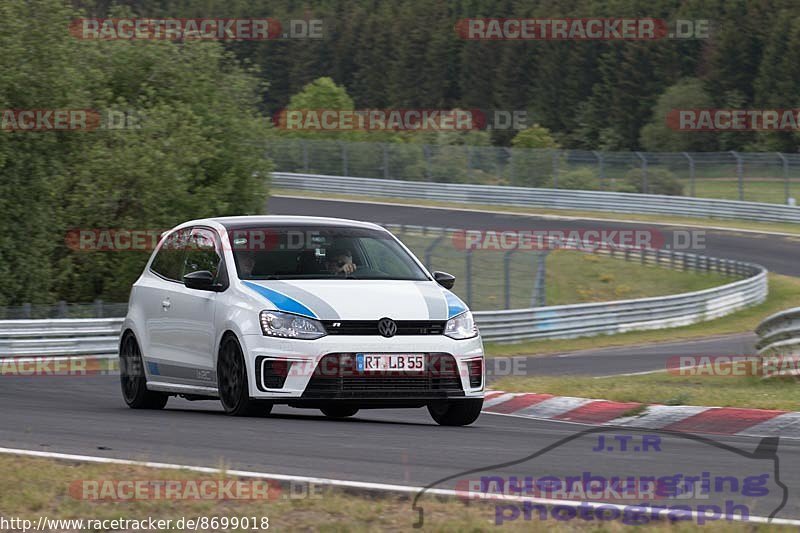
(323, 313)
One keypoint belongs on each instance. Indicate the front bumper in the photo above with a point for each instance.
(321, 371)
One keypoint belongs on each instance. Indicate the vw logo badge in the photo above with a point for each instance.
(387, 327)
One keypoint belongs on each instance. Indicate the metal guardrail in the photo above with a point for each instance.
(772, 177)
(546, 198)
(779, 334)
(59, 337)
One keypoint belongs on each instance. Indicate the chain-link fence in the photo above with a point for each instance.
(755, 177)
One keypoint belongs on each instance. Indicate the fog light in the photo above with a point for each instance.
(274, 372)
(475, 369)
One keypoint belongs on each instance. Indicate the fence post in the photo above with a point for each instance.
(431, 247)
(601, 169)
(691, 173)
(739, 173)
(305, 156)
(26, 310)
(345, 171)
(62, 309)
(385, 161)
(507, 278)
(468, 265)
(644, 171)
(786, 190)
(98, 308)
(555, 169)
(426, 151)
(470, 173)
(539, 296)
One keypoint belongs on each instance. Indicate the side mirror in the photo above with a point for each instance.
(202, 280)
(444, 279)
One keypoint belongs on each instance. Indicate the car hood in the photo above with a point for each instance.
(352, 299)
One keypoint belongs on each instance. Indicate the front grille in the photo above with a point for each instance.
(370, 327)
(337, 378)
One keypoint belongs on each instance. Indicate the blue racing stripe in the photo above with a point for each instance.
(281, 301)
(454, 304)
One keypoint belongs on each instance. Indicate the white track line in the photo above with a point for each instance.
(363, 485)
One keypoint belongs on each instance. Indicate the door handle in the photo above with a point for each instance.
(165, 304)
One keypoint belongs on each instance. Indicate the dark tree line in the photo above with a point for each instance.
(406, 53)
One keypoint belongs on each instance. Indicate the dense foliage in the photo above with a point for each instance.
(186, 154)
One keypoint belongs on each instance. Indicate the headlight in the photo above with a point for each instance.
(286, 325)
(461, 326)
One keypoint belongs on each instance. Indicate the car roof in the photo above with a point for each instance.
(240, 222)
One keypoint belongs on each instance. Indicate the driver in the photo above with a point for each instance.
(340, 261)
(247, 262)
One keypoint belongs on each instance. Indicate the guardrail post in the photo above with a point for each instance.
(555, 169)
(345, 171)
(468, 267)
(98, 308)
(739, 173)
(786, 190)
(644, 171)
(26, 310)
(691, 173)
(601, 170)
(62, 309)
(507, 278)
(304, 144)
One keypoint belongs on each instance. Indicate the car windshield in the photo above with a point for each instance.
(320, 252)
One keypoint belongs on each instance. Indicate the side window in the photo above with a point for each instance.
(168, 262)
(385, 258)
(202, 253)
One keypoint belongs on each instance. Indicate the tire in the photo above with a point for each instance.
(234, 392)
(133, 380)
(457, 412)
(339, 411)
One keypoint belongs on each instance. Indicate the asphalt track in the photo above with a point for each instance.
(86, 415)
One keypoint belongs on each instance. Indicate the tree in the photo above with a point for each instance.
(535, 136)
(187, 154)
(657, 135)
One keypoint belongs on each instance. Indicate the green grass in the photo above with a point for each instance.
(784, 292)
(746, 225)
(755, 190)
(30, 488)
(664, 388)
(575, 277)
(571, 277)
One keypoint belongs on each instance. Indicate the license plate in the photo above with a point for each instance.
(373, 362)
